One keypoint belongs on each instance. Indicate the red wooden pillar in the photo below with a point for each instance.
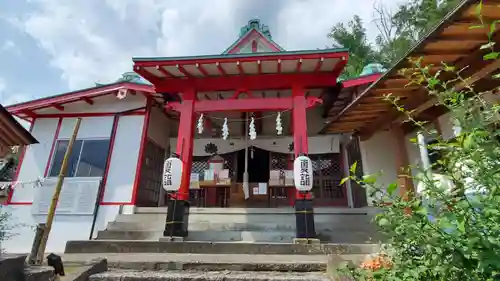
(176, 223)
(185, 141)
(299, 120)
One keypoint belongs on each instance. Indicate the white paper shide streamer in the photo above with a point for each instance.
(279, 127)
(225, 130)
(252, 133)
(200, 124)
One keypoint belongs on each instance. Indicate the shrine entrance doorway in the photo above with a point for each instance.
(258, 172)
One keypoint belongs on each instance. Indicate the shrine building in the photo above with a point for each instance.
(236, 120)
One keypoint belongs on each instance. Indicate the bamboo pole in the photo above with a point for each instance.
(57, 192)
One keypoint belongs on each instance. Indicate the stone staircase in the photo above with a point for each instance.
(273, 225)
(229, 244)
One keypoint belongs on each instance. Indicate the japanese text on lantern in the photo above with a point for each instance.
(168, 173)
(304, 172)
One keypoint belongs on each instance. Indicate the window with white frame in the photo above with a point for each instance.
(88, 158)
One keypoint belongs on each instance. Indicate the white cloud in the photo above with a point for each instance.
(94, 40)
(8, 99)
(2, 86)
(8, 45)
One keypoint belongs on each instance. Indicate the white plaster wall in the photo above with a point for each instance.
(121, 173)
(159, 128)
(378, 153)
(35, 158)
(378, 156)
(64, 228)
(119, 185)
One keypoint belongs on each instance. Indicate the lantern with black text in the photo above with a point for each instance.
(303, 173)
(172, 173)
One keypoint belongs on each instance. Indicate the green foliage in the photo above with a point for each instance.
(361, 52)
(7, 171)
(398, 32)
(440, 233)
(5, 227)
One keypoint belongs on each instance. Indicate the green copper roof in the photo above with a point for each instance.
(254, 24)
(262, 54)
(373, 68)
(130, 77)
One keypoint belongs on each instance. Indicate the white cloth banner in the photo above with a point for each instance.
(317, 145)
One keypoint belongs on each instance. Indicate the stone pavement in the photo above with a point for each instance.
(208, 276)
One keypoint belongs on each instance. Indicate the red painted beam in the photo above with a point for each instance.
(246, 105)
(183, 70)
(88, 101)
(240, 68)
(299, 65)
(318, 65)
(58, 107)
(76, 96)
(232, 59)
(163, 71)
(202, 70)
(221, 69)
(250, 82)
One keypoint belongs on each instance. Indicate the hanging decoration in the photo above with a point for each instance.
(225, 130)
(279, 128)
(252, 133)
(200, 124)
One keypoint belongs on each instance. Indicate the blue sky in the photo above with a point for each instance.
(49, 47)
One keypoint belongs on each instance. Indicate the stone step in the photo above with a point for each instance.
(214, 262)
(244, 236)
(142, 224)
(285, 210)
(212, 236)
(208, 276)
(131, 246)
(238, 222)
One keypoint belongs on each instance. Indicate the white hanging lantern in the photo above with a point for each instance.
(279, 127)
(303, 173)
(122, 93)
(225, 130)
(252, 133)
(172, 174)
(200, 124)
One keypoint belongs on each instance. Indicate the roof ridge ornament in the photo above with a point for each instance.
(255, 24)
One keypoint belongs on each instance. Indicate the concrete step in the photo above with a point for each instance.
(214, 262)
(129, 235)
(143, 225)
(208, 276)
(285, 210)
(130, 246)
(245, 236)
(210, 235)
